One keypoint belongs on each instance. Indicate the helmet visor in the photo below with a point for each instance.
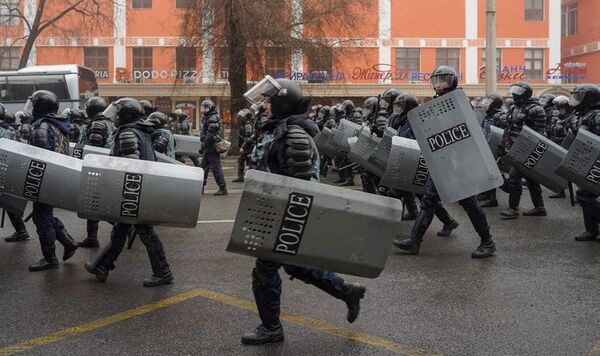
(443, 81)
(28, 108)
(398, 109)
(262, 90)
(111, 113)
(516, 90)
(384, 104)
(544, 100)
(486, 103)
(574, 102)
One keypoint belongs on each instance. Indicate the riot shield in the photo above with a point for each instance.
(40, 175)
(80, 150)
(381, 154)
(406, 169)
(324, 143)
(568, 140)
(13, 204)
(161, 157)
(454, 147)
(187, 145)
(133, 191)
(309, 224)
(581, 165)
(536, 157)
(480, 114)
(342, 133)
(496, 141)
(361, 151)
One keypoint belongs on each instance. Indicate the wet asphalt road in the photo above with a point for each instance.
(538, 296)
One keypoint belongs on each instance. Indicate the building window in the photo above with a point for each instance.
(534, 63)
(9, 12)
(276, 61)
(9, 58)
(320, 65)
(142, 63)
(534, 10)
(569, 19)
(448, 57)
(141, 4)
(408, 63)
(96, 58)
(185, 63)
(498, 57)
(184, 4)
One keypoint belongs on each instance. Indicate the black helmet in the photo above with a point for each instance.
(492, 102)
(348, 106)
(73, 114)
(95, 105)
(370, 105)
(337, 111)
(521, 91)
(561, 102)
(180, 114)
(325, 112)
(148, 108)
(9, 117)
(445, 79)
(289, 100)
(406, 101)
(158, 119)
(41, 102)
(245, 114)
(208, 104)
(387, 98)
(124, 111)
(316, 109)
(546, 100)
(2, 113)
(259, 108)
(585, 96)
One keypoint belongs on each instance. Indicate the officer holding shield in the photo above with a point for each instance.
(212, 131)
(287, 148)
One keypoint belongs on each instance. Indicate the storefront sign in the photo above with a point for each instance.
(568, 71)
(507, 72)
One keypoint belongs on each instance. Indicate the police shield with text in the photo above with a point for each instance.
(211, 134)
(132, 140)
(445, 80)
(50, 131)
(524, 112)
(287, 149)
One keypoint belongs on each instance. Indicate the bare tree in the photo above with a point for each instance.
(247, 28)
(87, 13)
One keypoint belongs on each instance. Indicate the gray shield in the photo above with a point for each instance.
(361, 151)
(452, 142)
(40, 175)
(536, 157)
(381, 154)
(132, 191)
(496, 141)
(406, 169)
(161, 157)
(342, 133)
(568, 140)
(582, 163)
(324, 142)
(290, 221)
(80, 150)
(480, 114)
(13, 204)
(187, 145)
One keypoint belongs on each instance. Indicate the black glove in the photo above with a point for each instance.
(161, 144)
(298, 153)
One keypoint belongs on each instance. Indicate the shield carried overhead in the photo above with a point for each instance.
(581, 165)
(381, 154)
(39, 175)
(406, 169)
(290, 221)
(537, 157)
(133, 191)
(362, 149)
(187, 145)
(342, 133)
(458, 155)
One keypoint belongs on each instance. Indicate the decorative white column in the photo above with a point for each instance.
(30, 7)
(120, 32)
(297, 32)
(471, 63)
(208, 52)
(385, 33)
(554, 37)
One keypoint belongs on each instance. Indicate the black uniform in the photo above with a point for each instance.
(212, 130)
(246, 143)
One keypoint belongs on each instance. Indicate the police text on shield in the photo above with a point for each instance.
(594, 173)
(33, 180)
(448, 137)
(132, 188)
(535, 156)
(294, 220)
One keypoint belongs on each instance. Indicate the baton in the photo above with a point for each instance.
(348, 166)
(571, 195)
(29, 217)
(2, 222)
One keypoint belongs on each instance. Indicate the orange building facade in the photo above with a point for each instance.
(398, 44)
(580, 41)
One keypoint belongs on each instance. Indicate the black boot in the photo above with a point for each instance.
(221, 191)
(261, 335)
(408, 245)
(448, 228)
(489, 203)
(20, 230)
(67, 241)
(91, 240)
(558, 195)
(238, 180)
(485, 249)
(161, 273)
(535, 212)
(100, 268)
(509, 214)
(18, 236)
(48, 262)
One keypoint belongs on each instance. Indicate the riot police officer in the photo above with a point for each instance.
(245, 132)
(132, 140)
(494, 116)
(181, 126)
(524, 112)
(162, 139)
(546, 102)
(351, 113)
(325, 120)
(99, 134)
(24, 131)
(78, 125)
(50, 131)
(148, 107)
(212, 131)
(289, 131)
(9, 132)
(585, 99)
(444, 80)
